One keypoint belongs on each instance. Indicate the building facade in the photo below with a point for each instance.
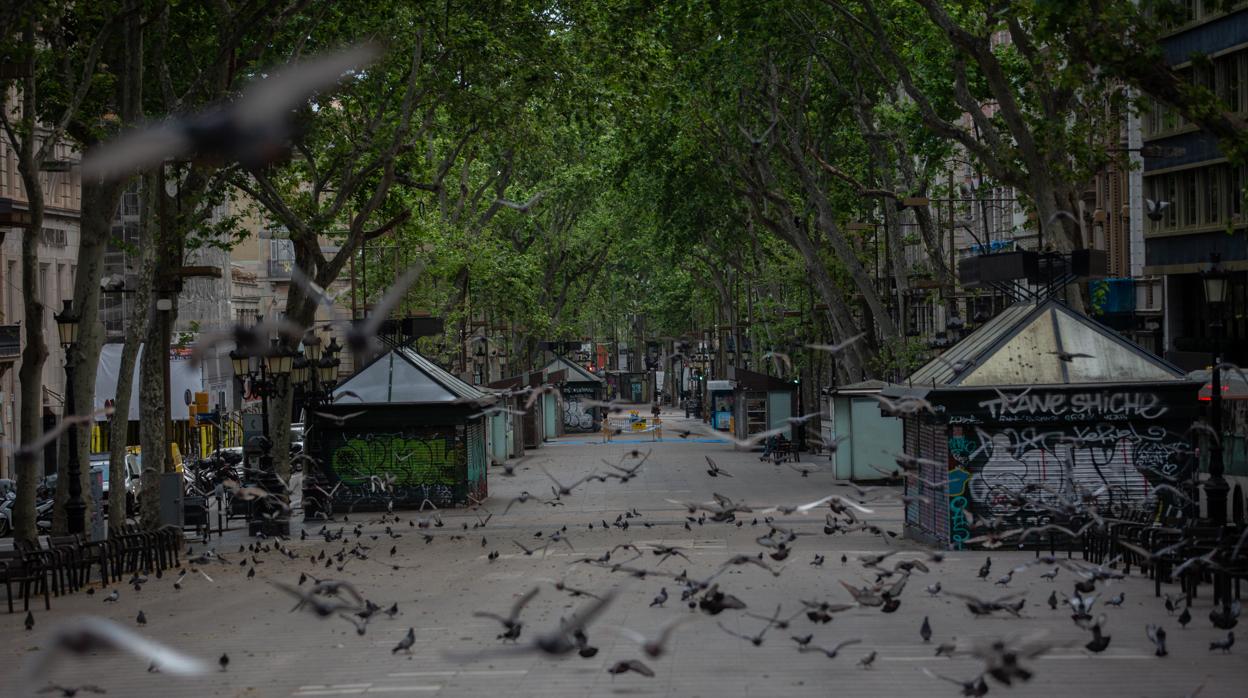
(1195, 197)
(58, 255)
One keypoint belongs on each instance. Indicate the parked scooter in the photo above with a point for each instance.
(43, 512)
(6, 512)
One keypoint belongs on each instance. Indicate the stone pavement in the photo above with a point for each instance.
(439, 584)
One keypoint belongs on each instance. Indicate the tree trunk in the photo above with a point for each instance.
(35, 353)
(900, 275)
(300, 310)
(30, 375)
(119, 426)
(826, 223)
(131, 90)
(153, 399)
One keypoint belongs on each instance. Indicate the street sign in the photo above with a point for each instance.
(208, 418)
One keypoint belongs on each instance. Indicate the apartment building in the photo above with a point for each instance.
(1197, 196)
(58, 254)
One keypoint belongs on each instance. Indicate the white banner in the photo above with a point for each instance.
(182, 377)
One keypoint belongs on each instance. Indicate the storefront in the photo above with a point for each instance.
(413, 432)
(763, 403)
(722, 399)
(1046, 402)
(579, 387)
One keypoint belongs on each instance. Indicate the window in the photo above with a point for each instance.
(282, 250)
(1169, 119)
(11, 292)
(1234, 192)
(1213, 187)
(45, 293)
(1191, 198)
(1203, 75)
(55, 237)
(1191, 10)
(1152, 118)
(60, 285)
(1230, 81)
(1172, 196)
(130, 203)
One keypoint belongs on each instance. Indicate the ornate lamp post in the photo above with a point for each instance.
(316, 371)
(75, 508)
(1216, 284)
(327, 374)
(261, 381)
(270, 370)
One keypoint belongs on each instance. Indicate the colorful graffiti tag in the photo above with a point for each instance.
(577, 416)
(991, 467)
(1096, 405)
(406, 461)
(400, 469)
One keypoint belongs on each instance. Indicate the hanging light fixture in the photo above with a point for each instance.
(299, 370)
(313, 348)
(67, 325)
(280, 362)
(1214, 278)
(327, 370)
(240, 362)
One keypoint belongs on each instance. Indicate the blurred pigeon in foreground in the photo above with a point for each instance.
(92, 635)
(251, 131)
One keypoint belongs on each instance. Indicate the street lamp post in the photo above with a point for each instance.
(75, 509)
(261, 381)
(317, 376)
(271, 368)
(317, 372)
(1216, 284)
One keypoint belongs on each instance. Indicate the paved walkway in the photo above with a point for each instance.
(274, 652)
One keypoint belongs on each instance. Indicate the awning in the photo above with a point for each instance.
(1234, 386)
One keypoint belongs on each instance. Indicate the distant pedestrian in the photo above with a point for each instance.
(655, 410)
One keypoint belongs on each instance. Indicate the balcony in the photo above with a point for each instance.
(280, 268)
(10, 341)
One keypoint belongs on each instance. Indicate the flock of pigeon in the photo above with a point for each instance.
(1005, 660)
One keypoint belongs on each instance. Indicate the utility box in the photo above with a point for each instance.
(171, 499)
